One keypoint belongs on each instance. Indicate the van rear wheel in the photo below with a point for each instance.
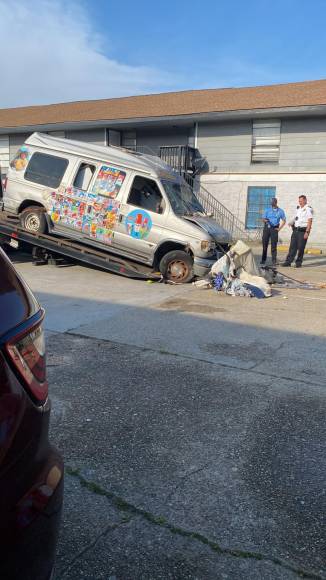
(33, 220)
(177, 266)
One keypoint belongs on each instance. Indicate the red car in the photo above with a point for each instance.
(31, 470)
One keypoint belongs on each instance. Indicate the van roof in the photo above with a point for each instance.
(117, 155)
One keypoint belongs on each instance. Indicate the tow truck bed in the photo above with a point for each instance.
(11, 232)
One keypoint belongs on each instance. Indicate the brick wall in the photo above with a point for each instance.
(231, 191)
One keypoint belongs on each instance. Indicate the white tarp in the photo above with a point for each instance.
(240, 263)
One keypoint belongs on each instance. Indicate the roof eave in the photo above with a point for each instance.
(243, 114)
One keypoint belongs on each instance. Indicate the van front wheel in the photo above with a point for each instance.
(33, 220)
(177, 266)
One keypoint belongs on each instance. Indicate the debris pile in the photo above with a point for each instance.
(237, 274)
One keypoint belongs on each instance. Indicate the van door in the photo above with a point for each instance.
(139, 228)
(69, 204)
(102, 207)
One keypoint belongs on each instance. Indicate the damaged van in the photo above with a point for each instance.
(131, 204)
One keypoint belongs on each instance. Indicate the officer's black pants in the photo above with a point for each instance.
(272, 235)
(298, 244)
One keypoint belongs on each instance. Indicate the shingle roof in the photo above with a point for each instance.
(170, 104)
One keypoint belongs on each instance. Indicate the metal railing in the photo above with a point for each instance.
(224, 217)
(180, 157)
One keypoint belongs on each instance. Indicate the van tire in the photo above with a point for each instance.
(177, 266)
(33, 220)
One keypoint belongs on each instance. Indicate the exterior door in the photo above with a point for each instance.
(141, 219)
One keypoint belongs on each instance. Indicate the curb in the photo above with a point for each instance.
(313, 251)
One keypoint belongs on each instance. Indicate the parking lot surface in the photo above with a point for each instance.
(192, 425)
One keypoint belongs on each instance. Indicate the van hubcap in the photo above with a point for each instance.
(178, 270)
(32, 223)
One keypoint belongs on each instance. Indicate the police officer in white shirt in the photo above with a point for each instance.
(301, 225)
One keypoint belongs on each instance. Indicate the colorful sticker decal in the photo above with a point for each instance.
(108, 181)
(138, 224)
(92, 214)
(21, 159)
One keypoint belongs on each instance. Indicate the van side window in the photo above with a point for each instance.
(84, 176)
(46, 169)
(145, 193)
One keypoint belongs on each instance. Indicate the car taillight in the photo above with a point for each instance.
(27, 352)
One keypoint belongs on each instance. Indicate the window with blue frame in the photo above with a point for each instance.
(258, 199)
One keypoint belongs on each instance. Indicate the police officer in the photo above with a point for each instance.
(301, 226)
(274, 220)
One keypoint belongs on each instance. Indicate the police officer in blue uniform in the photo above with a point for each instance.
(274, 220)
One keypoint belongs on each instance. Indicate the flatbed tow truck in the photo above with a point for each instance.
(54, 250)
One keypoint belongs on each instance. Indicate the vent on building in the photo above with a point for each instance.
(266, 137)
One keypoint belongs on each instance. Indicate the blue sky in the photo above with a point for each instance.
(64, 50)
(203, 42)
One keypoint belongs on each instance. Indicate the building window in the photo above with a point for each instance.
(113, 138)
(129, 140)
(266, 136)
(257, 200)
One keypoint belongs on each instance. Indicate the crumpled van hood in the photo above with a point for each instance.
(210, 226)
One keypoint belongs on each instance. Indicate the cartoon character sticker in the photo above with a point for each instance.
(20, 161)
(138, 224)
(67, 207)
(94, 215)
(108, 181)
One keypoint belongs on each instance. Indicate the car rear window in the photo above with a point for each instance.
(46, 169)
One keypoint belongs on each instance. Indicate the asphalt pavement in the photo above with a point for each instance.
(192, 426)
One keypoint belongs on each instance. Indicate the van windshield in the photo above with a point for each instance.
(182, 198)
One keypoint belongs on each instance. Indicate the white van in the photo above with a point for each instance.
(134, 205)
